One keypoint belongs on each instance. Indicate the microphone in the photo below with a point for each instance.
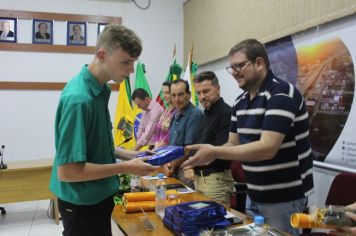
(2, 165)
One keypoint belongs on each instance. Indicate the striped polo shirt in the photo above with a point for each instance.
(278, 107)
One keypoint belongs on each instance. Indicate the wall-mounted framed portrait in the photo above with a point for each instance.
(8, 29)
(76, 33)
(42, 31)
(101, 26)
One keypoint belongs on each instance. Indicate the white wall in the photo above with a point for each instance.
(27, 117)
(229, 88)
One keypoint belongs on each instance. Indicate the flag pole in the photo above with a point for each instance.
(174, 51)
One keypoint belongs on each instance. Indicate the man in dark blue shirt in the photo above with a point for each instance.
(184, 126)
(214, 180)
(269, 134)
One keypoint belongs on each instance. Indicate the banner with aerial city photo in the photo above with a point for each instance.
(319, 62)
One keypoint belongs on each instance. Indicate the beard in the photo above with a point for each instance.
(250, 82)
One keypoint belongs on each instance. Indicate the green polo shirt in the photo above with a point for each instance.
(83, 134)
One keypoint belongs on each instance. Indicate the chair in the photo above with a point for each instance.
(238, 199)
(342, 192)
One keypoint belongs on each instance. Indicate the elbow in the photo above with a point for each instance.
(269, 152)
(62, 174)
(65, 175)
(269, 155)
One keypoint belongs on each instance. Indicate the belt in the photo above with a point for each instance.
(206, 172)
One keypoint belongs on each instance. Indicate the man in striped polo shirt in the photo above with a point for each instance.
(269, 134)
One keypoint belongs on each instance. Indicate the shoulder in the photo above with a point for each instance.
(193, 111)
(279, 86)
(226, 108)
(197, 112)
(157, 106)
(76, 92)
(239, 98)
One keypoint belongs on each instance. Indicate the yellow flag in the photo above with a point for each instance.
(125, 117)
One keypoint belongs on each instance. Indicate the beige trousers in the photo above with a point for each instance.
(217, 186)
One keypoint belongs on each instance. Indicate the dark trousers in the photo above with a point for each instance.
(86, 220)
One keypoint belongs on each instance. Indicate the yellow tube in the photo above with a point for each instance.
(300, 220)
(145, 196)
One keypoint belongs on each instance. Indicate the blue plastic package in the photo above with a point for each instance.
(190, 218)
(192, 211)
(164, 155)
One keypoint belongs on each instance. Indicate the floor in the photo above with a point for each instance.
(30, 219)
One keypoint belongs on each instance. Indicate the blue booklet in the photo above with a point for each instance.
(164, 155)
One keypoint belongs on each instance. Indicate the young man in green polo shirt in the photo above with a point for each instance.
(84, 176)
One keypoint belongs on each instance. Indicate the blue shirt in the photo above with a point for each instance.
(279, 107)
(184, 126)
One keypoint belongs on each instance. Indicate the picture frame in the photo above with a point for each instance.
(42, 31)
(101, 26)
(76, 33)
(8, 29)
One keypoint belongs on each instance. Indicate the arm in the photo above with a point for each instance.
(125, 154)
(233, 140)
(222, 130)
(274, 129)
(263, 149)
(191, 136)
(84, 171)
(139, 133)
(349, 231)
(149, 129)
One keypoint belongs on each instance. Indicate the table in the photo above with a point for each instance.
(27, 181)
(130, 224)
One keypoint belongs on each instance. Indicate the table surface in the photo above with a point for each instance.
(28, 164)
(130, 224)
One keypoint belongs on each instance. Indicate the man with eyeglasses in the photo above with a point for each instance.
(269, 134)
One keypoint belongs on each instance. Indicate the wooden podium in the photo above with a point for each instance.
(27, 181)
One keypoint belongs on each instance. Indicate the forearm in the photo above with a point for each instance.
(137, 147)
(228, 144)
(251, 152)
(125, 153)
(78, 172)
(147, 135)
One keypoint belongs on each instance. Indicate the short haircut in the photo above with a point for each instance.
(167, 83)
(117, 36)
(42, 23)
(78, 26)
(140, 93)
(206, 76)
(252, 49)
(177, 81)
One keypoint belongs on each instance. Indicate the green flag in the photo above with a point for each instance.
(140, 80)
(175, 70)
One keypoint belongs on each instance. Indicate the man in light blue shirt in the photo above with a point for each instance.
(184, 126)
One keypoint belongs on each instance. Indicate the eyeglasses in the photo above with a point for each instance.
(237, 67)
